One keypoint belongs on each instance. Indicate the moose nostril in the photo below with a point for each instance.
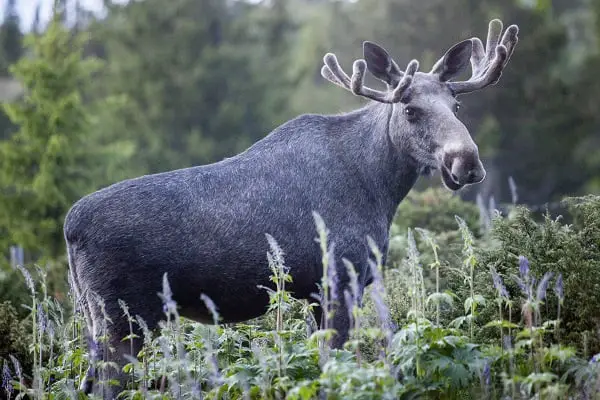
(474, 176)
(454, 177)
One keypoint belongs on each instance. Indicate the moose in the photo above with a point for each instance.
(206, 226)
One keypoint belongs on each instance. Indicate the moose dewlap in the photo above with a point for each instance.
(205, 226)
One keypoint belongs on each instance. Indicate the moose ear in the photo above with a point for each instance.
(455, 60)
(380, 64)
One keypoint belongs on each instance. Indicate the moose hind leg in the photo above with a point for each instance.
(110, 328)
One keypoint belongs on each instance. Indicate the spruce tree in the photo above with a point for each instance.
(56, 154)
(10, 51)
(10, 37)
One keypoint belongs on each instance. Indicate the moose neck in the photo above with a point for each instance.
(386, 171)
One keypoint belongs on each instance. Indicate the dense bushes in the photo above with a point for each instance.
(487, 318)
(572, 250)
(14, 338)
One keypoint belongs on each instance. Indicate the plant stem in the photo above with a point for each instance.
(471, 284)
(437, 289)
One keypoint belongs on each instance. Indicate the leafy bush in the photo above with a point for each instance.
(14, 336)
(489, 325)
(434, 211)
(572, 250)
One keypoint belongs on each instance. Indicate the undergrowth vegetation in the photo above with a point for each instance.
(458, 313)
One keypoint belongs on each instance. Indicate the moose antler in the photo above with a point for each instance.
(335, 74)
(487, 64)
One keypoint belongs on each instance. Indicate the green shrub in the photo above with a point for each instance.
(572, 250)
(431, 216)
(14, 337)
(450, 339)
(433, 210)
(13, 290)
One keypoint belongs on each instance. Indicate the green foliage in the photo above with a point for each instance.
(569, 249)
(419, 358)
(51, 160)
(13, 289)
(10, 37)
(437, 243)
(434, 210)
(198, 93)
(14, 338)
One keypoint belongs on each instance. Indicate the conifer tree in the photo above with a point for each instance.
(10, 51)
(188, 70)
(55, 156)
(10, 37)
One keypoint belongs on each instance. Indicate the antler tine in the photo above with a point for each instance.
(358, 84)
(510, 40)
(333, 72)
(405, 82)
(487, 64)
(334, 67)
(495, 28)
(327, 74)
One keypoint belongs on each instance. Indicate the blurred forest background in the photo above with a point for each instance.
(155, 85)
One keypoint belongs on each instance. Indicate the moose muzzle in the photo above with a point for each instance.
(460, 167)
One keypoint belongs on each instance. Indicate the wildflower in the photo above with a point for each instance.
(595, 359)
(377, 295)
(124, 307)
(16, 366)
(6, 378)
(144, 326)
(169, 305)
(484, 217)
(165, 348)
(51, 331)
(276, 251)
(212, 307)
(507, 340)
(349, 304)
(332, 273)
(498, 284)
(558, 288)
(28, 279)
(42, 320)
(524, 288)
(487, 374)
(524, 267)
(513, 190)
(353, 281)
(543, 286)
(492, 205)
(94, 348)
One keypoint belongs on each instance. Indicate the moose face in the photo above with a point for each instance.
(424, 123)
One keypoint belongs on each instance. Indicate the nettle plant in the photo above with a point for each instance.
(280, 358)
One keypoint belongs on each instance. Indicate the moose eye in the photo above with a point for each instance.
(411, 112)
(456, 108)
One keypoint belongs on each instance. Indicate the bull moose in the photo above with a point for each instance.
(206, 226)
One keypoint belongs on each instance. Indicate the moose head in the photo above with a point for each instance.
(424, 124)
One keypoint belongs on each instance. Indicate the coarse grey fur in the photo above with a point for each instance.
(205, 226)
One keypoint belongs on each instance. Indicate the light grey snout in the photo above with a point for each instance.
(461, 166)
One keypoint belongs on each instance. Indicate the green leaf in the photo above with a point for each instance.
(439, 298)
(474, 301)
(501, 324)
